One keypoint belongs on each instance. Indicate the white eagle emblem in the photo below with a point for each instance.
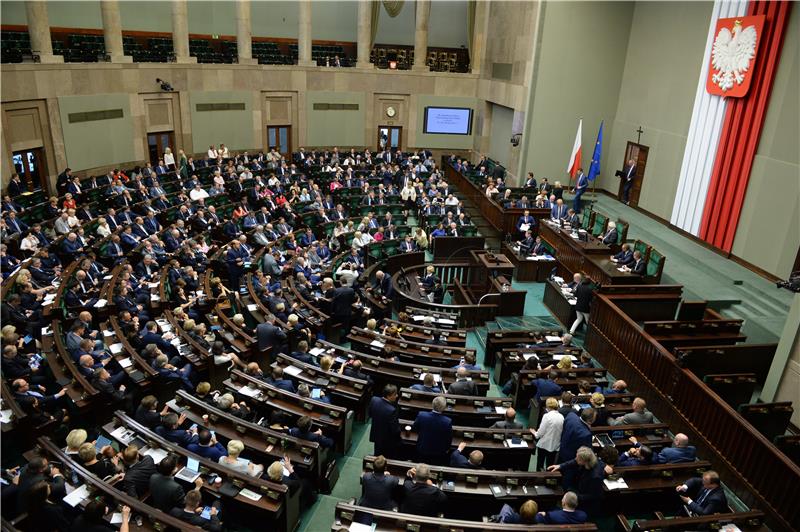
(731, 55)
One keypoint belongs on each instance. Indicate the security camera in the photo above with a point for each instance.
(165, 86)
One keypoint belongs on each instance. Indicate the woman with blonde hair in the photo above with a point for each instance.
(235, 448)
(548, 435)
(169, 158)
(102, 228)
(325, 363)
(421, 238)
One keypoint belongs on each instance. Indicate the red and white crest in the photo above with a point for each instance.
(733, 55)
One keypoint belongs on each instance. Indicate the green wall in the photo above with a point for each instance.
(336, 127)
(330, 21)
(665, 37)
(441, 142)
(500, 140)
(232, 128)
(768, 234)
(582, 57)
(99, 142)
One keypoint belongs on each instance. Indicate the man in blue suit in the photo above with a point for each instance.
(624, 257)
(234, 258)
(170, 430)
(303, 430)
(558, 211)
(434, 434)
(385, 430)
(547, 387)
(680, 451)
(580, 188)
(568, 515)
(709, 497)
(302, 354)
(277, 380)
(576, 433)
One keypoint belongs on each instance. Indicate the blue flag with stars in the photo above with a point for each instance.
(594, 168)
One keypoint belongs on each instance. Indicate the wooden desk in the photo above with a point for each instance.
(558, 304)
(528, 270)
(591, 257)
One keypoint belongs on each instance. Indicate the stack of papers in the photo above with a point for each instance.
(122, 434)
(126, 362)
(108, 333)
(115, 348)
(252, 308)
(292, 371)
(77, 496)
(157, 454)
(101, 303)
(615, 484)
(249, 392)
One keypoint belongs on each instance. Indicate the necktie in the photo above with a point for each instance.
(702, 496)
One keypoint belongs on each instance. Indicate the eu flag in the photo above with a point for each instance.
(594, 168)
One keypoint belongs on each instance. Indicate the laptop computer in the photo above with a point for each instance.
(191, 472)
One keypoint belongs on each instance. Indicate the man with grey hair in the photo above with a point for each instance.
(421, 496)
(434, 433)
(463, 385)
(584, 474)
(568, 515)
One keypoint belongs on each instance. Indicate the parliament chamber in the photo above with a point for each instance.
(246, 288)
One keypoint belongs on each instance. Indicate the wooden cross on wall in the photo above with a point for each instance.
(639, 131)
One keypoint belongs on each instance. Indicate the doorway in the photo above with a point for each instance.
(31, 167)
(280, 137)
(157, 142)
(637, 152)
(390, 137)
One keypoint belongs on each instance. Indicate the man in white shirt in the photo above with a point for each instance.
(198, 193)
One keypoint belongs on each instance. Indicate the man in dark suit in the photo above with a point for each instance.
(277, 380)
(434, 433)
(171, 430)
(137, 471)
(709, 497)
(680, 451)
(638, 266)
(628, 175)
(463, 385)
(420, 495)
(583, 300)
(165, 492)
(526, 244)
(342, 305)
(624, 257)
(610, 237)
(385, 430)
(304, 431)
(378, 486)
(568, 515)
(302, 354)
(526, 222)
(189, 512)
(547, 387)
(509, 423)
(558, 211)
(576, 433)
(457, 458)
(38, 470)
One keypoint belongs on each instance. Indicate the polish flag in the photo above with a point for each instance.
(575, 158)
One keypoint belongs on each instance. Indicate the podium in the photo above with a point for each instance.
(491, 280)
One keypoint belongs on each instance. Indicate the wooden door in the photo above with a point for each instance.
(157, 143)
(31, 167)
(280, 137)
(390, 137)
(637, 152)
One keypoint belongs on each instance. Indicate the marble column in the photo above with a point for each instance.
(112, 32)
(244, 35)
(421, 35)
(304, 34)
(39, 31)
(364, 33)
(478, 49)
(180, 32)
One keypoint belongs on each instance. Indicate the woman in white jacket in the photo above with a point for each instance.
(548, 435)
(169, 159)
(409, 196)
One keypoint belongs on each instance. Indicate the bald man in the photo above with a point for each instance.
(457, 458)
(509, 422)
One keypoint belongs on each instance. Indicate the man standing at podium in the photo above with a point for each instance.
(581, 184)
(628, 174)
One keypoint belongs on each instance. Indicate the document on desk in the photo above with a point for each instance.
(292, 371)
(552, 338)
(317, 351)
(618, 484)
(115, 348)
(5, 416)
(249, 392)
(521, 443)
(108, 333)
(77, 496)
(500, 410)
(252, 307)
(361, 527)
(446, 321)
(125, 362)
(122, 434)
(101, 303)
(253, 496)
(559, 357)
(376, 343)
(157, 454)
